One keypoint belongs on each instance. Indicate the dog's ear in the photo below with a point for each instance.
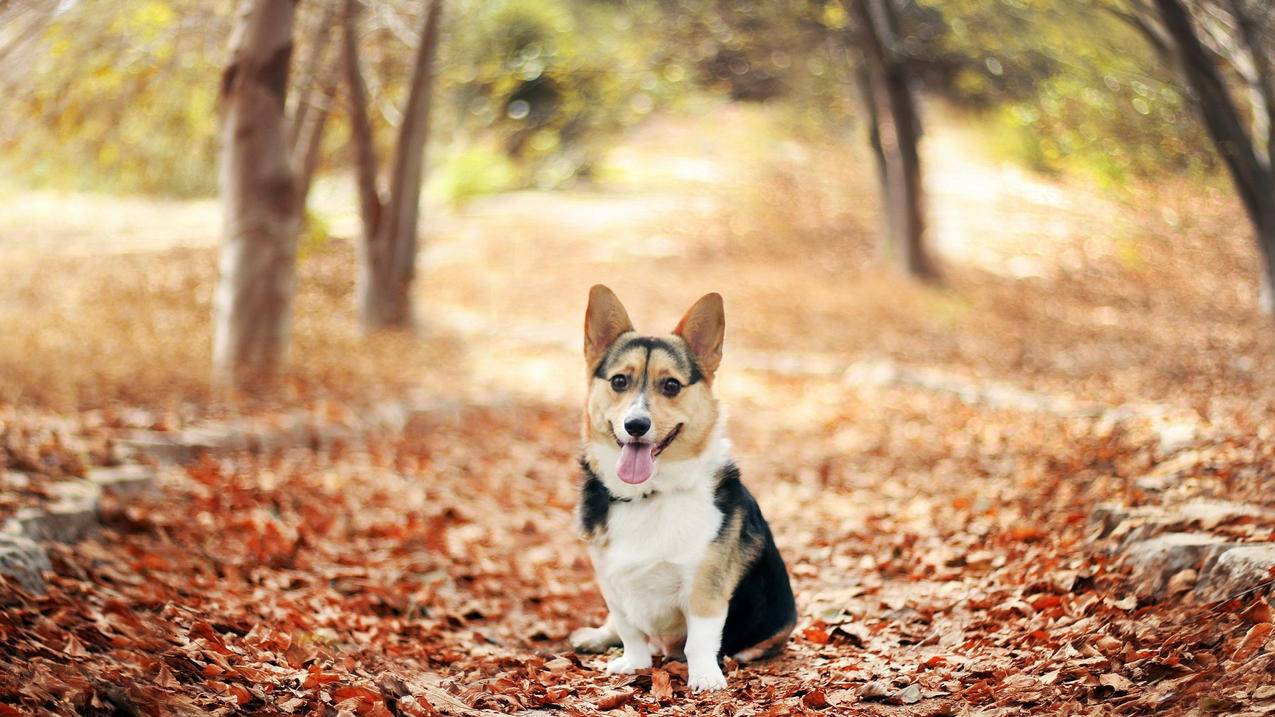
(703, 328)
(604, 321)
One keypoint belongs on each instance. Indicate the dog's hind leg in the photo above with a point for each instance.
(595, 639)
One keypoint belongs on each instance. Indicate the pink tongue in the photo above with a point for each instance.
(634, 465)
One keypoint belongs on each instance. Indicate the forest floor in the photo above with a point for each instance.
(931, 459)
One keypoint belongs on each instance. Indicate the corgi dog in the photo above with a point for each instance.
(685, 561)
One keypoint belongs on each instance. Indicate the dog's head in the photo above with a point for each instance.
(650, 397)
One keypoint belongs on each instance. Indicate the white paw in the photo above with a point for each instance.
(593, 639)
(627, 664)
(705, 679)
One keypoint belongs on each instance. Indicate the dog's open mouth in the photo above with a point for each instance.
(637, 459)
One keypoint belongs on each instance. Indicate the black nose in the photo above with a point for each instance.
(637, 426)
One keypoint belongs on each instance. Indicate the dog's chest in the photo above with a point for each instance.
(652, 550)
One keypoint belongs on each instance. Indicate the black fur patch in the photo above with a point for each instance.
(684, 358)
(762, 604)
(595, 500)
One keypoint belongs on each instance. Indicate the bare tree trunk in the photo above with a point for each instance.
(388, 264)
(371, 205)
(309, 150)
(898, 135)
(253, 303)
(868, 95)
(1250, 170)
(313, 81)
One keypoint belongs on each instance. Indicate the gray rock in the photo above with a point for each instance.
(1236, 570)
(71, 516)
(159, 446)
(1136, 524)
(1158, 559)
(23, 560)
(124, 481)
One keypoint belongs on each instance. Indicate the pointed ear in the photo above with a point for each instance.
(703, 328)
(604, 321)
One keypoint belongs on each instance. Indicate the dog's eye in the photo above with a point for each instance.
(619, 382)
(670, 387)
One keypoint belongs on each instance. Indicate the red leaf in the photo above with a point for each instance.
(1252, 642)
(815, 700)
(816, 634)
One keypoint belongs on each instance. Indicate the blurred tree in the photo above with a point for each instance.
(1227, 38)
(253, 307)
(387, 258)
(894, 130)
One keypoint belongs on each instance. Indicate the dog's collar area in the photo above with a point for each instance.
(612, 497)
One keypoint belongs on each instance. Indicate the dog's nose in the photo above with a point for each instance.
(637, 426)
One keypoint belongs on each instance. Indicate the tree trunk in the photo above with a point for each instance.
(1250, 170)
(313, 80)
(897, 136)
(868, 95)
(388, 264)
(253, 303)
(371, 205)
(308, 152)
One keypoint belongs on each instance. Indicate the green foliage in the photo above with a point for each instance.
(123, 99)
(316, 236)
(473, 172)
(1065, 85)
(546, 81)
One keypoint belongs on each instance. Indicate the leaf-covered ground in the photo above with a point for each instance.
(937, 530)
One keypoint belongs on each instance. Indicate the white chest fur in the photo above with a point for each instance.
(652, 549)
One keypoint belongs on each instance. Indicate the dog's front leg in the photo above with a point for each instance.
(637, 651)
(703, 641)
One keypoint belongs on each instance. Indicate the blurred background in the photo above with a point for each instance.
(314, 274)
(1008, 186)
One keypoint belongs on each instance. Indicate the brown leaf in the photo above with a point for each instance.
(661, 685)
(1117, 682)
(614, 698)
(1253, 641)
(816, 699)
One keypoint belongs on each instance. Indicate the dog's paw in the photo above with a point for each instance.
(627, 664)
(594, 639)
(706, 679)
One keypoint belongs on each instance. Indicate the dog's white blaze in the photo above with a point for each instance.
(639, 409)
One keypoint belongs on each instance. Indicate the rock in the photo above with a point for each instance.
(1109, 516)
(1135, 524)
(1209, 514)
(1236, 570)
(71, 516)
(23, 560)
(159, 446)
(123, 481)
(1155, 560)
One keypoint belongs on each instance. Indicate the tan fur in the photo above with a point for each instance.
(604, 321)
(766, 647)
(694, 408)
(721, 570)
(704, 328)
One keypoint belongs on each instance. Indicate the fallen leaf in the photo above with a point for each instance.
(1116, 682)
(1252, 642)
(614, 698)
(661, 685)
(815, 699)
